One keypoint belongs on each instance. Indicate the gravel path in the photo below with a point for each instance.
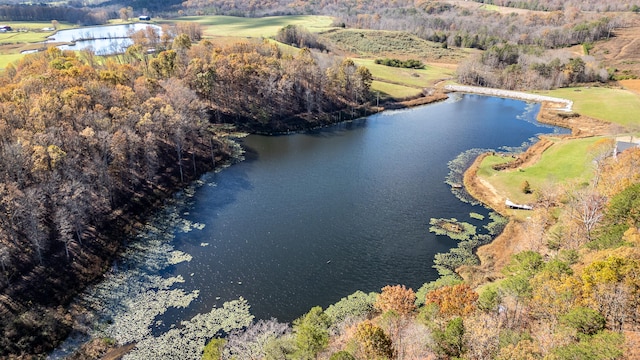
(568, 104)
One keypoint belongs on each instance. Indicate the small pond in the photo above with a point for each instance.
(103, 40)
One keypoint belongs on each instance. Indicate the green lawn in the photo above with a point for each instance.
(255, 27)
(566, 160)
(9, 58)
(420, 78)
(394, 91)
(615, 105)
(28, 32)
(24, 37)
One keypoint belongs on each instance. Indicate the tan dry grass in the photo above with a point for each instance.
(632, 341)
(632, 85)
(622, 50)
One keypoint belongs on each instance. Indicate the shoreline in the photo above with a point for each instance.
(496, 254)
(510, 94)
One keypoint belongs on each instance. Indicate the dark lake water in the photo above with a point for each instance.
(310, 218)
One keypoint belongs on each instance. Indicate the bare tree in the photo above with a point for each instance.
(33, 223)
(64, 227)
(5, 261)
(586, 207)
(251, 343)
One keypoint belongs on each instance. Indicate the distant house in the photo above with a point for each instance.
(624, 145)
(5, 28)
(144, 18)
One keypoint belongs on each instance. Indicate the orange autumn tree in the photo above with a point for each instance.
(457, 300)
(397, 298)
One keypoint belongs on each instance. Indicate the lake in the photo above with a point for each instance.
(309, 218)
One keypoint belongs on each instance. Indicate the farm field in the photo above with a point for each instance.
(29, 32)
(214, 26)
(6, 59)
(428, 76)
(400, 83)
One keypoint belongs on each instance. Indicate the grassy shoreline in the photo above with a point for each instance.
(564, 160)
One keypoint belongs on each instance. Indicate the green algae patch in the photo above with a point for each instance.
(476, 216)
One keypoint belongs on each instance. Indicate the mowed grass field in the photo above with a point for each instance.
(399, 83)
(28, 32)
(618, 106)
(428, 76)
(218, 25)
(565, 161)
(395, 91)
(6, 59)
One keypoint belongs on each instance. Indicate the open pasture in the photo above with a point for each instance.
(218, 25)
(615, 105)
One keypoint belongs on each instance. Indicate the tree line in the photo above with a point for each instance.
(82, 16)
(520, 67)
(554, 5)
(86, 141)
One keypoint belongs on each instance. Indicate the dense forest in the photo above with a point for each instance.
(81, 16)
(87, 142)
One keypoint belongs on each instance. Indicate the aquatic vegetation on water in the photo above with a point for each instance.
(188, 340)
(177, 256)
(497, 224)
(188, 226)
(463, 254)
(476, 216)
(134, 323)
(128, 305)
(453, 228)
(457, 167)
